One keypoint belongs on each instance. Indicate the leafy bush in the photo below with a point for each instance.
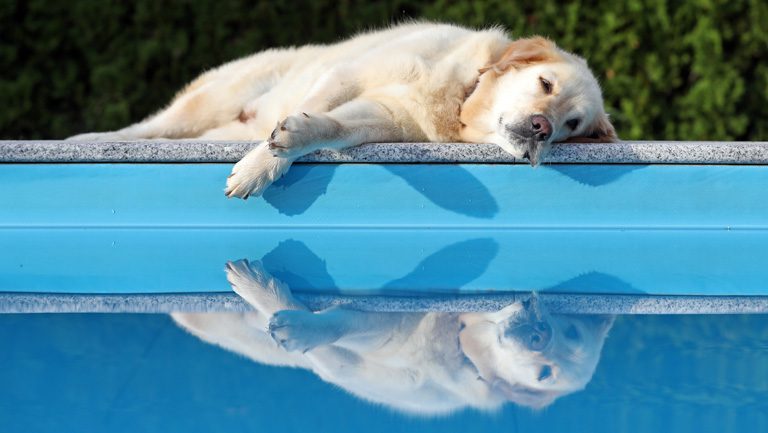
(670, 70)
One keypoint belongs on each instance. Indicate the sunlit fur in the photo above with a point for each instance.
(410, 82)
(514, 371)
(419, 363)
(510, 91)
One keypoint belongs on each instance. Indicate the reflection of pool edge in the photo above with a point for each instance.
(223, 302)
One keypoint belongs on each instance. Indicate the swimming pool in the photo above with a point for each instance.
(142, 227)
(128, 372)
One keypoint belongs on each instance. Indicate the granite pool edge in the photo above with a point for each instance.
(197, 151)
(226, 302)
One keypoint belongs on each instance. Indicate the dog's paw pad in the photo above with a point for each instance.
(255, 172)
(242, 184)
(292, 136)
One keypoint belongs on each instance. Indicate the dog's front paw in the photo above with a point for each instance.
(299, 134)
(247, 277)
(301, 330)
(290, 136)
(255, 172)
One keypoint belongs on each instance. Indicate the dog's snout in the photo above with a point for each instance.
(540, 127)
(534, 336)
(541, 334)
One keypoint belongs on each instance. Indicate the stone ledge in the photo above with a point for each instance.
(230, 302)
(192, 151)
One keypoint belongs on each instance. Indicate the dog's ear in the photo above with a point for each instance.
(524, 52)
(601, 131)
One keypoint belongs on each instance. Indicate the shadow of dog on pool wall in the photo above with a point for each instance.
(422, 363)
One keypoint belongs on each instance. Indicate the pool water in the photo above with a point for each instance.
(130, 372)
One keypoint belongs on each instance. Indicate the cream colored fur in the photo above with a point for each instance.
(411, 82)
(420, 363)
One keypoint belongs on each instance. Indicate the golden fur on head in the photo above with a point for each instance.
(534, 94)
(523, 52)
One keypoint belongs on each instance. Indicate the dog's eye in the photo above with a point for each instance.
(572, 333)
(573, 124)
(545, 373)
(546, 85)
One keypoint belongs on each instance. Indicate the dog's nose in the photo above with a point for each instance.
(540, 127)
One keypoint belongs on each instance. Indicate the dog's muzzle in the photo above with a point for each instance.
(534, 133)
(531, 329)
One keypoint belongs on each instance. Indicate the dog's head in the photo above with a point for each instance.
(533, 95)
(530, 357)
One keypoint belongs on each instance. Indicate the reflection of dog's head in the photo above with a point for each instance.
(533, 95)
(531, 357)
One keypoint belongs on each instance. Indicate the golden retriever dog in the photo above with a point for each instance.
(411, 82)
(420, 363)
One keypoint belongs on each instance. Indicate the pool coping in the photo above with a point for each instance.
(229, 302)
(199, 151)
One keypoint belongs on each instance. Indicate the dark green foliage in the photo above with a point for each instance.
(670, 70)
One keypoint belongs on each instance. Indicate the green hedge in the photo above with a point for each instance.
(670, 70)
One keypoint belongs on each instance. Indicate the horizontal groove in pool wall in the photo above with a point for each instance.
(485, 229)
(651, 152)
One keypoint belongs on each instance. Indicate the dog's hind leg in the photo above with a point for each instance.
(214, 99)
(208, 106)
(240, 333)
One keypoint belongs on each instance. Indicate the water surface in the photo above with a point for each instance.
(126, 372)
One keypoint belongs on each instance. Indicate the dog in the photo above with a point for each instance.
(419, 363)
(411, 82)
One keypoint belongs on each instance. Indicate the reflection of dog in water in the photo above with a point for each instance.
(426, 363)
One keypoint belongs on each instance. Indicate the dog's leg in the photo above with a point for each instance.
(297, 328)
(256, 286)
(214, 99)
(337, 365)
(300, 331)
(334, 88)
(208, 106)
(246, 333)
(255, 172)
(353, 371)
(355, 122)
(241, 333)
(358, 331)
